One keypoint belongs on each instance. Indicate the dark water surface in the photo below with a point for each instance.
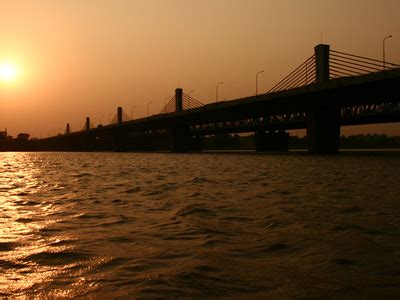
(199, 225)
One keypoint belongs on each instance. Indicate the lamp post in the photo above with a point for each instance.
(148, 103)
(386, 37)
(259, 72)
(218, 84)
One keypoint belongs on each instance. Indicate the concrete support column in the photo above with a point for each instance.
(323, 121)
(119, 135)
(178, 99)
(271, 141)
(182, 140)
(119, 140)
(197, 143)
(119, 115)
(89, 142)
(323, 130)
(87, 126)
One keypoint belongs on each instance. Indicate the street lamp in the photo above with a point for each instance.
(148, 103)
(259, 72)
(386, 37)
(218, 84)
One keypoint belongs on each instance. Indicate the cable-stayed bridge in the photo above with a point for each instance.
(329, 90)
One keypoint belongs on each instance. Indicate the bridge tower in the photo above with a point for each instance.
(120, 136)
(180, 137)
(87, 124)
(323, 120)
(178, 99)
(68, 129)
(119, 115)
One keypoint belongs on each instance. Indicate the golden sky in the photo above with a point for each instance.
(79, 58)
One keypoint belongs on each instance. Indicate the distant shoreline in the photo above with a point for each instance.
(215, 143)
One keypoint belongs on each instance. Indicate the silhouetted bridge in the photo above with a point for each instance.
(329, 90)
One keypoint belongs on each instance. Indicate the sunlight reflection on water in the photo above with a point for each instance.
(199, 225)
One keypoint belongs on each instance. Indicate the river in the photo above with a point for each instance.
(210, 225)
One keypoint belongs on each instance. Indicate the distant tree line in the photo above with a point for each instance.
(370, 141)
(234, 142)
(359, 141)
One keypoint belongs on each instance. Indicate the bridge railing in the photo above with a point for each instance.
(344, 64)
(389, 107)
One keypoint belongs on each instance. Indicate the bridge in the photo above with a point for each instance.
(329, 90)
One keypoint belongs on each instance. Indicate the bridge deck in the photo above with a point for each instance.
(370, 89)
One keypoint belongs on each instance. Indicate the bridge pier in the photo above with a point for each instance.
(323, 121)
(271, 141)
(323, 130)
(119, 141)
(180, 137)
(89, 143)
(181, 140)
(120, 136)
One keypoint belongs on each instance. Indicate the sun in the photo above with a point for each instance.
(8, 71)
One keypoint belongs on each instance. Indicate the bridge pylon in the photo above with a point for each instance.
(180, 137)
(120, 136)
(68, 129)
(178, 99)
(119, 115)
(87, 124)
(322, 63)
(323, 119)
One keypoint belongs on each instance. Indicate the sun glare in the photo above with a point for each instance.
(8, 71)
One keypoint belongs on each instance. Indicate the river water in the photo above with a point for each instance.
(160, 225)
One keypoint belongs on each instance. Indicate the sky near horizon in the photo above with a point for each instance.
(80, 58)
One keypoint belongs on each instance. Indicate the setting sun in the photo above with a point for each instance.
(8, 71)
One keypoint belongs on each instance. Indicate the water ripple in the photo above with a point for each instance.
(161, 225)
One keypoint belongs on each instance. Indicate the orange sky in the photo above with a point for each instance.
(84, 58)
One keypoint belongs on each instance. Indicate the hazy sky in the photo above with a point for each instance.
(81, 58)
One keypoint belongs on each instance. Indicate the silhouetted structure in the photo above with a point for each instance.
(87, 124)
(329, 90)
(68, 129)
